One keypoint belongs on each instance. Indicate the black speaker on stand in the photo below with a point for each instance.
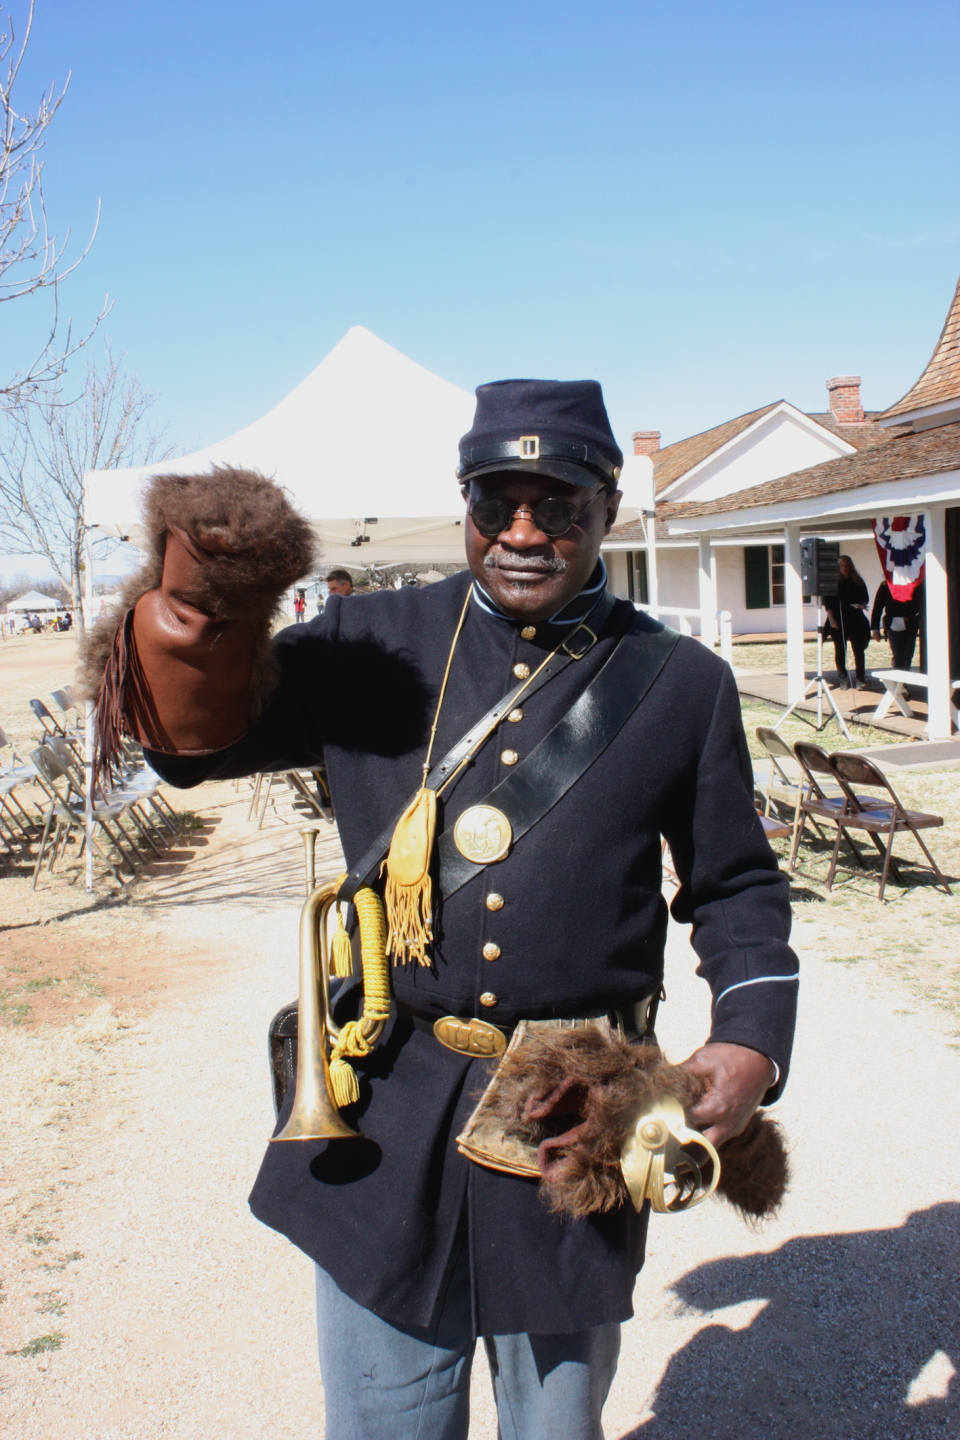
(819, 576)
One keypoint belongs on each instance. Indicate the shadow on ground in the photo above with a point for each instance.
(906, 872)
(850, 1322)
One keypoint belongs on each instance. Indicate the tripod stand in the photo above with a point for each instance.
(820, 686)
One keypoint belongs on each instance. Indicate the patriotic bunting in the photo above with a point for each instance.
(901, 540)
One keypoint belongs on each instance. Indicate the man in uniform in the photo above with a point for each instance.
(419, 1250)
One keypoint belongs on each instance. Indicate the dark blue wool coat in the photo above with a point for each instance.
(582, 928)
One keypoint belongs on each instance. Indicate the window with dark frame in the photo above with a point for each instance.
(637, 588)
(764, 576)
(756, 576)
(778, 594)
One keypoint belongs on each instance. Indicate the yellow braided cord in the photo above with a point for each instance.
(373, 946)
(358, 1037)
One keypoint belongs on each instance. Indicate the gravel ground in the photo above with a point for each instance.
(182, 1317)
(142, 1300)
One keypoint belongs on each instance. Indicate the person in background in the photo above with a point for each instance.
(899, 622)
(339, 582)
(846, 620)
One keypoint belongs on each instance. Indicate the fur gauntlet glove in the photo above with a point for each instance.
(563, 1102)
(189, 661)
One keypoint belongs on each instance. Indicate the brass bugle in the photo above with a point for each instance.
(314, 1115)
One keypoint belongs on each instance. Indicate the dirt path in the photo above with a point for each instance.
(131, 1144)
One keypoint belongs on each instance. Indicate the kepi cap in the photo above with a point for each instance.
(546, 427)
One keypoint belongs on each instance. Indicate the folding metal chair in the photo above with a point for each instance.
(785, 784)
(773, 828)
(780, 778)
(297, 784)
(50, 725)
(11, 824)
(134, 796)
(135, 774)
(817, 802)
(68, 811)
(851, 769)
(15, 773)
(72, 709)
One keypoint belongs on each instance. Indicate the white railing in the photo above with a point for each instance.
(684, 615)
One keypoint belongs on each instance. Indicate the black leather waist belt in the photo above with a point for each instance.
(472, 1036)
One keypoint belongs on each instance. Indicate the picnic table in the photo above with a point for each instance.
(894, 682)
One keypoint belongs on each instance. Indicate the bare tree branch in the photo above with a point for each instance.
(31, 258)
(50, 443)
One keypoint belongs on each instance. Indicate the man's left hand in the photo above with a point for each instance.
(737, 1080)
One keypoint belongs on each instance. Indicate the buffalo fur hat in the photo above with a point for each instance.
(575, 1094)
(271, 546)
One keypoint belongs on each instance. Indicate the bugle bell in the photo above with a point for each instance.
(314, 1116)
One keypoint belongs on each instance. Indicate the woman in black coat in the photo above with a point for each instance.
(846, 620)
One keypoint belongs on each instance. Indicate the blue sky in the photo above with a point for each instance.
(705, 206)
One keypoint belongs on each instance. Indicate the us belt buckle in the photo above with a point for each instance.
(470, 1037)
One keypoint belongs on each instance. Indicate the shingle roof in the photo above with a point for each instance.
(859, 436)
(941, 379)
(907, 456)
(633, 530)
(675, 460)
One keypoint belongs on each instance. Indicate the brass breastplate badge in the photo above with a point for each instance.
(483, 834)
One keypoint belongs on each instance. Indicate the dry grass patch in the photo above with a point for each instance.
(771, 657)
(915, 934)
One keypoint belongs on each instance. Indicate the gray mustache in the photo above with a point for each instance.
(497, 560)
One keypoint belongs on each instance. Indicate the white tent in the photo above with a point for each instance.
(34, 603)
(366, 445)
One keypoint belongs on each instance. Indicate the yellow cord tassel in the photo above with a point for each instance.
(341, 954)
(358, 1037)
(408, 893)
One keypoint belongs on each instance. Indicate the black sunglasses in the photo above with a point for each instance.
(492, 515)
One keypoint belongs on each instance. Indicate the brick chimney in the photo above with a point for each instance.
(844, 392)
(646, 442)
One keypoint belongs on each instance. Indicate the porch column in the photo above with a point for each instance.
(708, 592)
(793, 596)
(938, 640)
(653, 589)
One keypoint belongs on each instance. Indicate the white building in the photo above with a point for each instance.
(742, 455)
(718, 514)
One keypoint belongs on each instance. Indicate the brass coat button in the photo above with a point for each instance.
(522, 671)
(488, 999)
(491, 951)
(509, 757)
(494, 902)
(528, 632)
(515, 715)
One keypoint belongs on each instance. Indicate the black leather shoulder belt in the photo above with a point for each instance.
(570, 748)
(553, 766)
(577, 643)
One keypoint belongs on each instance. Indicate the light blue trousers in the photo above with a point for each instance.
(406, 1383)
